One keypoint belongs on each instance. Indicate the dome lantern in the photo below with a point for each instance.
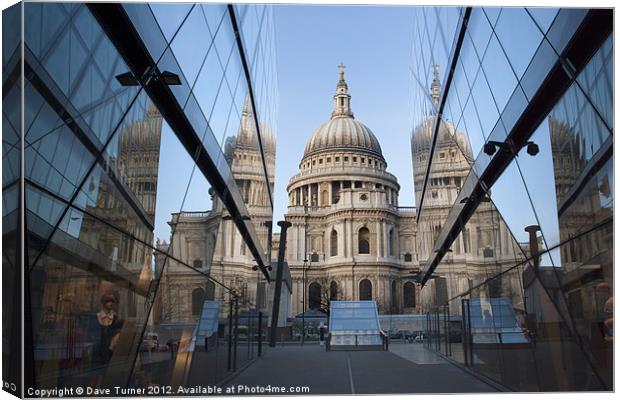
(342, 98)
(435, 85)
(342, 132)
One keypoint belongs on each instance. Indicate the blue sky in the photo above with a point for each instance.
(374, 42)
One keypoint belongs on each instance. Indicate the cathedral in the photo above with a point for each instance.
(350, 239)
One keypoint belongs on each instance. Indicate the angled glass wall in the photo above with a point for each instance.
(513, 155)
(131, 123)
(12, 195)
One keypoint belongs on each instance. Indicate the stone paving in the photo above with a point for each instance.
(403, 369)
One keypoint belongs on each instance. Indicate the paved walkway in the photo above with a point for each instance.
(418, 370)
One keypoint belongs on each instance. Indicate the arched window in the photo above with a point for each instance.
(197, 263)
(314, 296)
(363, 241)
(392, 243)
(333, 241)
(325, 198)
(409, 294)
(210, 295)
(333, 291)
(198, 297)
(365, 290)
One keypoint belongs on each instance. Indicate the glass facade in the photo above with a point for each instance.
(512, 153)
(109, 91)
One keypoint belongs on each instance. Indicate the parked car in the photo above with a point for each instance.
(405, 335)
(394, 335)
(150, 342)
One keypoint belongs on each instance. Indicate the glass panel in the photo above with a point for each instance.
(593, 206)
(58, 162)
(596, 80)
(543, 16)
(479, 30)
(133, 152)
(497, 70)
(145, 23)
(12, 196)
(510, 197)
(95, 264)
(564, 26)
(577, 133)
(170, 16)
(492, 14)
(587, 282)
(11, 136)
(519, 48)
(213, 13)
(540, 178)
(169, 63)
(190, 56)
(514, 109)
(539, 68)
(50, 18)
(485, 106)
(93, 284)
(225, 42)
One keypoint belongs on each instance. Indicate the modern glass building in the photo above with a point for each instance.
(513, 168)
(95, 96)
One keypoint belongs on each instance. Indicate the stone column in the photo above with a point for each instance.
(292, 250)
(342, 238)
(350, 237)
(329, 193)
(378, 230)
(385, 238)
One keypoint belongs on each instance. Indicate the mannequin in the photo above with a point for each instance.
(109, 325)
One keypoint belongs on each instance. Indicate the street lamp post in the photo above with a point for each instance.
(303, 300)
(303, 274)
(307, 264)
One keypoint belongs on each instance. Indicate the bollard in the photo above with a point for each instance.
(260, 334)
(284, 225)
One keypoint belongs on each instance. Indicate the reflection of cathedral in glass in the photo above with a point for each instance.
(114, 269)
(481, 249)
(209, 240)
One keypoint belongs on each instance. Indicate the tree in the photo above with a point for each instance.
(325, 292)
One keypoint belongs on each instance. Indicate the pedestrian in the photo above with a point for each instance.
(321, 334)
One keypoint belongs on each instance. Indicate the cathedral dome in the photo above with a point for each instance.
(422, 137)
(247, 135)
(343, 131)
